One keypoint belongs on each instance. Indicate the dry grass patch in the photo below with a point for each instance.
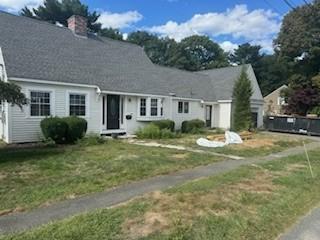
(296, 167)
(126, 157)
(180, 156)
(256, 143)
(261, 183)
(2, 176)
(220, 201)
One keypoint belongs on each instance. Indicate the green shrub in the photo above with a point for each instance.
(167, 133)
(63, 130)
(315, 110)
(54, 128)
(152, 131)
(91, 140)
(192, 126)
(77, 128)
(165, 124)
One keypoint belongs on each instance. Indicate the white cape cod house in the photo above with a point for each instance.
(112, 84)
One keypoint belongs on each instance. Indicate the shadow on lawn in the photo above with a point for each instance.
(18, 154)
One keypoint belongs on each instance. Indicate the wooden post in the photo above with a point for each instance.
(307, 155)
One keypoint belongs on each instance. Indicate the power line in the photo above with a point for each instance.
(270, 5)
(308, 4)
(289, 4)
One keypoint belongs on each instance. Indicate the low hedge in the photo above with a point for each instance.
(192, 126)
(77, 128)
(54, 128)
(63, 130)
(152, 131)
(165, 124)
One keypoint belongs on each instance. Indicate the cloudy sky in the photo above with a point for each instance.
(228, 22)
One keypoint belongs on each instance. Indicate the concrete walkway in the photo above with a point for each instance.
(181, 148)
(26, 220)
(307, 229)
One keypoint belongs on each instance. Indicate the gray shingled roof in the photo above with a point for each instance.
(34, 49)
(223, 79)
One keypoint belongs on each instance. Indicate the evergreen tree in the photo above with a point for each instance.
(242, 93)
(111, 33)
(59, 11)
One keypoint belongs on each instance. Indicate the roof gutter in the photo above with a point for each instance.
(98, 89)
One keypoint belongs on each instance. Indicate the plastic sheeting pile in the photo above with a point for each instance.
(231, 138)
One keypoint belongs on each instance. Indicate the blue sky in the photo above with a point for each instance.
(228, 22)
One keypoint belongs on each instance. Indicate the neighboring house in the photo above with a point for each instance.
(274, 102)
(112, 84)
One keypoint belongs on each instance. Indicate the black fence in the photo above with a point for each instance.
(288, 124)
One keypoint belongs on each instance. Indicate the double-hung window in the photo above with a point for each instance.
(154, 107)
(149, 107)
(183, 107)
(143, 106)
(180, 107)
(186, 107)
(40, 104)
(77, 104)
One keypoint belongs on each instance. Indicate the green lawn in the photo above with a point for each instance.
(39, 176)
(262, 144)
(252, 202)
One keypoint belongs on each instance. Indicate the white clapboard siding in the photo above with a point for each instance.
(25, 128)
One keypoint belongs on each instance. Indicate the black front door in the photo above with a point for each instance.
(113, 111)
(208, 115)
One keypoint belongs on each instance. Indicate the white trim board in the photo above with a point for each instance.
(99, 91)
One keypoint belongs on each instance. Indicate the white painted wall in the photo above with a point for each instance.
(27, 129)
(24, 128)
(224, 114)
(216, 116)
(4, 112)
(132, 108)
(258, 108)
(196, 111)
(170, 111)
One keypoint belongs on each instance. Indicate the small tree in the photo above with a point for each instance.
(11, 93)
(242, 93)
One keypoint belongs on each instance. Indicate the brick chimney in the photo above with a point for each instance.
(78, 25)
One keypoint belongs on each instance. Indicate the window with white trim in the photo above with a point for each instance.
(154, 107)
(40, 103)
(186, 107)
(150, 107)
(143, 106)
(183, 107)
(77, 104)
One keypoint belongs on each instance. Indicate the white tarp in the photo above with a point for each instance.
(231, 138)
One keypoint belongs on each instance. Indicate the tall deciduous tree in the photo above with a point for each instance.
(242, 93)
(299, 43)
(271, 72)
(200, 53)
(193, 53)
(246, 53)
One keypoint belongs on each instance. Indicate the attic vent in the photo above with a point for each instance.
(78, 25)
